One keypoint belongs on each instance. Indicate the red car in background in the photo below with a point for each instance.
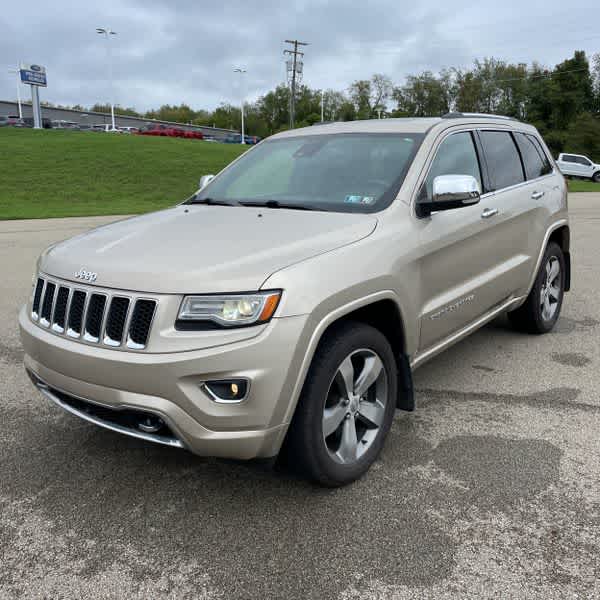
(169, 131)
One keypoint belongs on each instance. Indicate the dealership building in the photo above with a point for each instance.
(97, 118)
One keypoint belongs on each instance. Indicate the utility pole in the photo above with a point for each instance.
(295, 67)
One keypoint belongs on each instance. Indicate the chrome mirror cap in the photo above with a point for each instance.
(205, 180)
(463, 189)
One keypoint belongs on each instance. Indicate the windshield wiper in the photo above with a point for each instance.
(277, 204)
(209, 201)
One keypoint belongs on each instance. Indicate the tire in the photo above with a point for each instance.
(328, 452)
(541, 310)
(596, 177)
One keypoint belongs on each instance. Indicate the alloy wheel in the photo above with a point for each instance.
(355, 406)
(550, 292)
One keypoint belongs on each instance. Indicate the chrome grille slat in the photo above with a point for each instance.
(47, 304)
(59, 314)
(64, 309)
(94, 318)
(37, 298)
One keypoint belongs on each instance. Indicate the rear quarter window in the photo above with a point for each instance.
(502, 157)
(532, 160)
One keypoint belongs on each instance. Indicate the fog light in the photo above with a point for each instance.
(227, 390)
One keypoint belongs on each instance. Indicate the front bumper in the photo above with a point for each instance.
(168, 385)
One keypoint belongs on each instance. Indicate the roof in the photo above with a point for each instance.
(405, 125)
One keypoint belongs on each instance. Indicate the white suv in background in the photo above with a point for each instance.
(576, 165)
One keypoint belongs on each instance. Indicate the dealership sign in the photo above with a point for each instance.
(33, 74)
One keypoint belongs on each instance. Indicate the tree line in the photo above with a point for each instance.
(562, 102)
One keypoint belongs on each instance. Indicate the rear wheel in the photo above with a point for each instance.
(346, 407)
(541, 310)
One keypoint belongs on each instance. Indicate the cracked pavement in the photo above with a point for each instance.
(490, 489)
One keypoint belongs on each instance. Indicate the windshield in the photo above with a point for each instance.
(357, 172)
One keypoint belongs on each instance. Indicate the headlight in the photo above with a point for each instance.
(231, 310)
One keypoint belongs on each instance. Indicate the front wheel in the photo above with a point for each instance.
(541, 310)
(346, 407)
(596, 177)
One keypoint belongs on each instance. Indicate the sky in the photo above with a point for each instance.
(168, 52)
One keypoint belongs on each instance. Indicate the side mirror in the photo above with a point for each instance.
(450, 191)
(205, 180)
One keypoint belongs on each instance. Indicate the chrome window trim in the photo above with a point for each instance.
(474, 128)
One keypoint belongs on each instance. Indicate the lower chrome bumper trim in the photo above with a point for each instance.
(50, 393)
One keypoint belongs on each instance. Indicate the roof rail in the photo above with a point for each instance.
(463, 115)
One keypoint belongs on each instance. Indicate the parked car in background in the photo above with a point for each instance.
(62, 124)
(46, 122)
(236, 138)
(104, 127)
(12, 121)
(161, 129)
(84, 127)
(129, 129)
(577, 165)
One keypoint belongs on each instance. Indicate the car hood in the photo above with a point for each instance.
(202, 249)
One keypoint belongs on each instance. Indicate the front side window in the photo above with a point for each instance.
(455, 156)
(352, 172)
(583, 161)
(534, 166)
(502, 157)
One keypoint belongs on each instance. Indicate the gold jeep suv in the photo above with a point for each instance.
(286, 303)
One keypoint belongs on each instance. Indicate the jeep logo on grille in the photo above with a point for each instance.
(86, 275)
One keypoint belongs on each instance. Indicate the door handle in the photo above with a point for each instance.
(489, 212)
(537, 195)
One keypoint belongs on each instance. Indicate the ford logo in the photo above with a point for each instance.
(86, 275)
(36, 68)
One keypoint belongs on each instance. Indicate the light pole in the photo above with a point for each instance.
(106, 32)
(241, 72)
(18, 74)
(322, 106)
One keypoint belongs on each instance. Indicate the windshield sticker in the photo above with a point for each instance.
(354, 199)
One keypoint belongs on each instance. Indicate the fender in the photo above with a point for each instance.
(549, 231)
(317, 334)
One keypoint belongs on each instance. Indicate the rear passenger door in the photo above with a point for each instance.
(517, 193)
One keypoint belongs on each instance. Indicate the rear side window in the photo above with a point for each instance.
(502, 157)
(568, 158)
(455, 156)
(534, 166)
(542, 153)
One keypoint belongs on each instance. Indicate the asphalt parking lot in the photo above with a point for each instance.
(490, 489)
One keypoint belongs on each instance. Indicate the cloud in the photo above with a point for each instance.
(185, 50)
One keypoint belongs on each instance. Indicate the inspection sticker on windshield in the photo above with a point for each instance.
(352, 199)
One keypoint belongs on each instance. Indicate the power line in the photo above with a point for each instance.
(295, 66)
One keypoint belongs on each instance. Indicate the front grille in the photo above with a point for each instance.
(96, 318)
(115, 321)
(140, 322)
(47, 304)
(60, 309)
(76, 313)
(95, 314)
(37, 297)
